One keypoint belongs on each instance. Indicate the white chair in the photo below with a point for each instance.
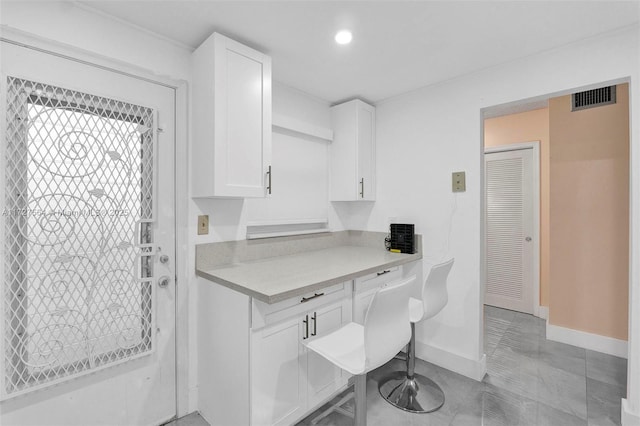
(406, 389)
(359, 349)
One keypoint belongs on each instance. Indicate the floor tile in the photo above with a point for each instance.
(562, 390)
(489, 405)
(512, 371)
(193, 419)
(564, 357)
(493, 312)
(606, 368)
(545, 415)
(603, 403)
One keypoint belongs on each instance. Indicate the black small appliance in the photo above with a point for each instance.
(403, 238)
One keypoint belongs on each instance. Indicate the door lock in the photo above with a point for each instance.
(163, 281)
(527, 239)
(164, 258)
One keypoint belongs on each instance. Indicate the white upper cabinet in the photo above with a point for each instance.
(353, 152)
(232, 120)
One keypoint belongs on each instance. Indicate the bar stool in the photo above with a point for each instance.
(406, 389)
(359, 349)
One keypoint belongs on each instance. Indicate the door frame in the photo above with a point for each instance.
(181, 199)
(535, 146)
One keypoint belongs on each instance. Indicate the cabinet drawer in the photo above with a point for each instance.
(377, 279)
(264, 313)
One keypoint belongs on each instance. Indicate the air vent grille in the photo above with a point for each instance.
(593, 98)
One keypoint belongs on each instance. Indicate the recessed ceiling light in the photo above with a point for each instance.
(343, 37)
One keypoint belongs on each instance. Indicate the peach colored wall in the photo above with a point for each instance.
(526, 127)
(589, 262)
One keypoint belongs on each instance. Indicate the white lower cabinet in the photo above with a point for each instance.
(277, 379)
(365, 287)
(287, 380)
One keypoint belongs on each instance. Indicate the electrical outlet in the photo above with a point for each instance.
(458, 183)
(203, 224)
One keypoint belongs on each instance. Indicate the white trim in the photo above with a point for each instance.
(535, 146)
(474, 369)
(283, 122)
(184, 399)
(582, 339)
(76, 54)
(627, 417)
(543, 312)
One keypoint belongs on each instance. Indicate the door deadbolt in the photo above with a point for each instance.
(163, 281)
(164, 259)
(527, 239)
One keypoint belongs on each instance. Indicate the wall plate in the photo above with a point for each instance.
(458, 182)
(203, 224)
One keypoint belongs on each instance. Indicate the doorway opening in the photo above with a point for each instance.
(583, 215)
(584, 251)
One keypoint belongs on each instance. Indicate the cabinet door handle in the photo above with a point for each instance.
(269, 184)
(306, 299)
(384, 272)
(315, 320)
(306, 327)
(362, 188)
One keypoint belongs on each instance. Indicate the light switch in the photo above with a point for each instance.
(458, 183)
(203, 224)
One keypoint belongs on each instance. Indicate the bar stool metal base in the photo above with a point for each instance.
(418, 394)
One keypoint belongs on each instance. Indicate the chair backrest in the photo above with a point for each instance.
(434, 289)
(386, 325)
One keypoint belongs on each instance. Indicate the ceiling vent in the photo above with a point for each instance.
(593, 98)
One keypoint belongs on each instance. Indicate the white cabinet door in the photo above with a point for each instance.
(278, 362)
(287, 380)
(232, 119)
(323, 377)
(353, 152)
(366, 151)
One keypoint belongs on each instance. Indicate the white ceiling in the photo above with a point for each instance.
(397, 46)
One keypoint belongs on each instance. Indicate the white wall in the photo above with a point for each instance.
(440, 128)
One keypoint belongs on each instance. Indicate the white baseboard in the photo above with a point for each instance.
(474, 369)
(543, 312)
(582, 339)
(627, 417)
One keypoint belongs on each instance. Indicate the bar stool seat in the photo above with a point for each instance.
(408, 390)
(359, 349)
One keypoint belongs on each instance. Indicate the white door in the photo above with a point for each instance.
(323, 377)
(88, 335)
(509, 229)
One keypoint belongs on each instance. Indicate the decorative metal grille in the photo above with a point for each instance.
(77, 236)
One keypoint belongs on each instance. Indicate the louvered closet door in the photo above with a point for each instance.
(509, 216)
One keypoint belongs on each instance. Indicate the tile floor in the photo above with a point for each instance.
(529, 381)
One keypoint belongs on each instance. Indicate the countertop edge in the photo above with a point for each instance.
(308, 288)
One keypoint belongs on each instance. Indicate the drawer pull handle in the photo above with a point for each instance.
(306, 327)
(384, 272)
(306, 299)
(269, 184)
(315, 327)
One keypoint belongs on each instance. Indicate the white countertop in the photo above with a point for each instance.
(278, 278)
